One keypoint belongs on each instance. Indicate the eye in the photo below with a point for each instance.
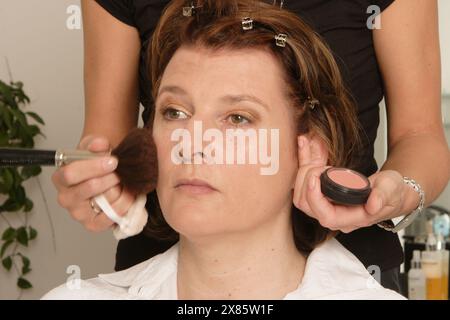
(173, 114)
(238, 119)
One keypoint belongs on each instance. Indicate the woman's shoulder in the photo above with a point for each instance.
(116, 285)
(333, 272)
(90, 289)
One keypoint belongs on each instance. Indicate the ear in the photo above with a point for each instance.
(319, 150)
(314, 153)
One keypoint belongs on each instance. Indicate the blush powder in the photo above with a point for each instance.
(347, 178)
(345, 186)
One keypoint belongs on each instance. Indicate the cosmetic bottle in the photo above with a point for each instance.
(444, 263)
(445, 266)
(432, 267)
(416, 279)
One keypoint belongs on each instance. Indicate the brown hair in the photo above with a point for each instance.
(310, 71)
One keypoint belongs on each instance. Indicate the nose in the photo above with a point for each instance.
(192, 158)
(193, 151)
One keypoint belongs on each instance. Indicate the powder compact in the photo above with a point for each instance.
(345, 186)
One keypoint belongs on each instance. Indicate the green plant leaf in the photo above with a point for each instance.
(11, 205)
(9, 234)
(16, 177)
(13, 133)
(35, 117)
(25, 265)
(7, 117)
(20, 94)
(7, 178)
(4, 139)
(30, 171)
(19, 195)
(22, 236)
(6, 94)
(7, 263)
(33, 130)
(5, 247)
(20, 117)
(28, 205)
(32, 233)
(23, 283)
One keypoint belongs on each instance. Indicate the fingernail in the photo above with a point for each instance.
(312, 183)
(110, 163)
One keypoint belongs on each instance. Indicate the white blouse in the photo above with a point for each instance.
(331, 272)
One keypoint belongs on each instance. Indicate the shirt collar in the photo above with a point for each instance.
(331, 271)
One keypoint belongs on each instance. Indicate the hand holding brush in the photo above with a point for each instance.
(83, 180)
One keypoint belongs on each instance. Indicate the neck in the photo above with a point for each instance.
(261, 263)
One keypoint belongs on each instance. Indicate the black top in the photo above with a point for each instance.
(343, 25)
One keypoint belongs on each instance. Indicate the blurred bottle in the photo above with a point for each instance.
(444, 263)
(432, 267)
(416, 279)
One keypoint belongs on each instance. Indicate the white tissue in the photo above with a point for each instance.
(134, 221)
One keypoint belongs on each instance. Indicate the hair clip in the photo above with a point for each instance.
(312, 103)
(280, 40)
(281, 3)
(247, 23)
(191, 10)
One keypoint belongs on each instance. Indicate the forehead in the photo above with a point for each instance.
(204, 71)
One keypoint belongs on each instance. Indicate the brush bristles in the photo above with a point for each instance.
(138, 163)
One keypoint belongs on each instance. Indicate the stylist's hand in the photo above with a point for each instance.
(79, 181)
(385, 200)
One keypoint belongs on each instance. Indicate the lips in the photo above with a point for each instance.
(193, 182)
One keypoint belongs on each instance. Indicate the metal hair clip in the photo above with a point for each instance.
(190, 11)
(280, 40)
(312, 103)
(281, 3)
(247, 23)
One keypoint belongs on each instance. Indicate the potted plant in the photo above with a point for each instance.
(16, 132)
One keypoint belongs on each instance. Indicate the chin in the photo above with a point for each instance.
(193, 223)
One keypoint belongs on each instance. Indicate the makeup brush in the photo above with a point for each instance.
(137, 161)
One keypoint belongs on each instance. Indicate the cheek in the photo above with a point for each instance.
(164, 149)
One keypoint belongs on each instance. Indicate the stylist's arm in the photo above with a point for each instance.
(417, 147)
(111, 111)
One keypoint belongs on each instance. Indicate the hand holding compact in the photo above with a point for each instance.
(383, 202)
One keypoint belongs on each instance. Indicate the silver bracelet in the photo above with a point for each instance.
(406, 221)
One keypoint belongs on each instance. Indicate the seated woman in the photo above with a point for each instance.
(240, 236)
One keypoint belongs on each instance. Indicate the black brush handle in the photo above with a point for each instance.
(16, 157)
(13, 157)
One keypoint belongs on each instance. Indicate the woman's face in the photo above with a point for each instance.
(199, 89)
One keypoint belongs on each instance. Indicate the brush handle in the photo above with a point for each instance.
(66, 156)
(11, 157)
(15, 157)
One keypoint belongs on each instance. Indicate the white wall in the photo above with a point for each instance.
(47, 57)
(444, 27)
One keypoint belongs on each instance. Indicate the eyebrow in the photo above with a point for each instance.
(229, 98)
